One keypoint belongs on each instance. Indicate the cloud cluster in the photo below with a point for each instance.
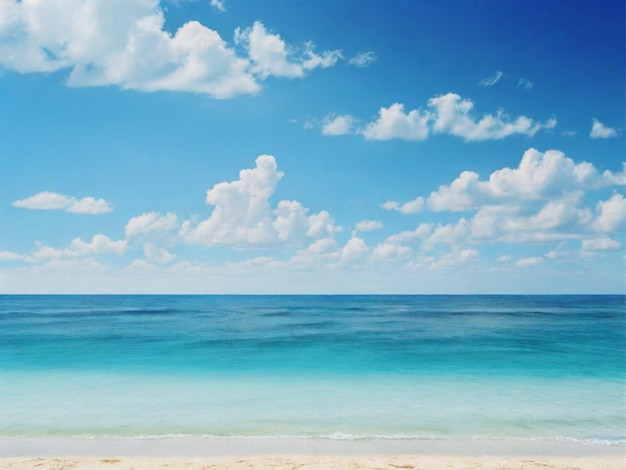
(47, 200)
(78, 248)
(545, 199)
(542, 200)
(445, 114)
(242, 213)
(122, 43)
(270, 56)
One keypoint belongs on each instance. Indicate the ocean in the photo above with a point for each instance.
(314, 367)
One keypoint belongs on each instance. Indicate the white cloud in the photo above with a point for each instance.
(448, 114)
(10, 256)
(354, 249)
(601, 244)
(391, 252)
(600, 131)
(421, 232)
(453, 117)
(411, 207)
(150, 222)
(89, 205)
(503, 259)
(44, 201)
(338, 125)
(612, 215)
(492, 80)
(242, 214)
(124, 43)
(524, 83)
(155, 253)
(539, 175)
(569, 133)
(47, 200)
(321, 224)
(368, 225)
(452, 234)
(363, 59)
(271, 56)
(532, 261)
(99, 244)
(453, 259)
(394, 123)
(218, 5)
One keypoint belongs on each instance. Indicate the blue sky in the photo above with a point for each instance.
(312, 146)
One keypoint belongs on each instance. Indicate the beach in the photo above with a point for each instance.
(246, 453)
(319, 462)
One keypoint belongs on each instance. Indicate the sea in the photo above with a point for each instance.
(336, 368)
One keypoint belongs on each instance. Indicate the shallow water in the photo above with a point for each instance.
(336, 367)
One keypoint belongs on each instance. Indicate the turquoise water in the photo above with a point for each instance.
(337, 367)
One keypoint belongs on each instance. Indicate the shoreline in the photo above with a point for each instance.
(178, 447)
(222, 453)
(325, 462)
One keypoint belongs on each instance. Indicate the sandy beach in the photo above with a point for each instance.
(320, 462)
(249, 453)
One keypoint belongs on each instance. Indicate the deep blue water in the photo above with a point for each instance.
(394, 366)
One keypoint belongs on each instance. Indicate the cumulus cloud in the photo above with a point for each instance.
(612, 215)
(158, 254)
(600, 131)
(338, 125)
(363, 59)
(11, 256)
(546, 198)
(47, 200)
(448, 114)
(531, 261)
(270, 54)
(390, 252)
(601, 244)
(492, 80)
(124, 43)
(242, 214)
(453, 259)
(453, 116)
(368, 225)
(411, 207)
(354, 249)
(150, 222)
(538, 175)
(99, 244)
(394, 123)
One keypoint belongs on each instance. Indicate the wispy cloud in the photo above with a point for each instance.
(219, 5)
(492, 80)
(524, 83)
(363, 59)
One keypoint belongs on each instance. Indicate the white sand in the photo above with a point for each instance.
(191, 453)
(285, 462)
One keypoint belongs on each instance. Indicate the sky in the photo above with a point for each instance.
(312, 146)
